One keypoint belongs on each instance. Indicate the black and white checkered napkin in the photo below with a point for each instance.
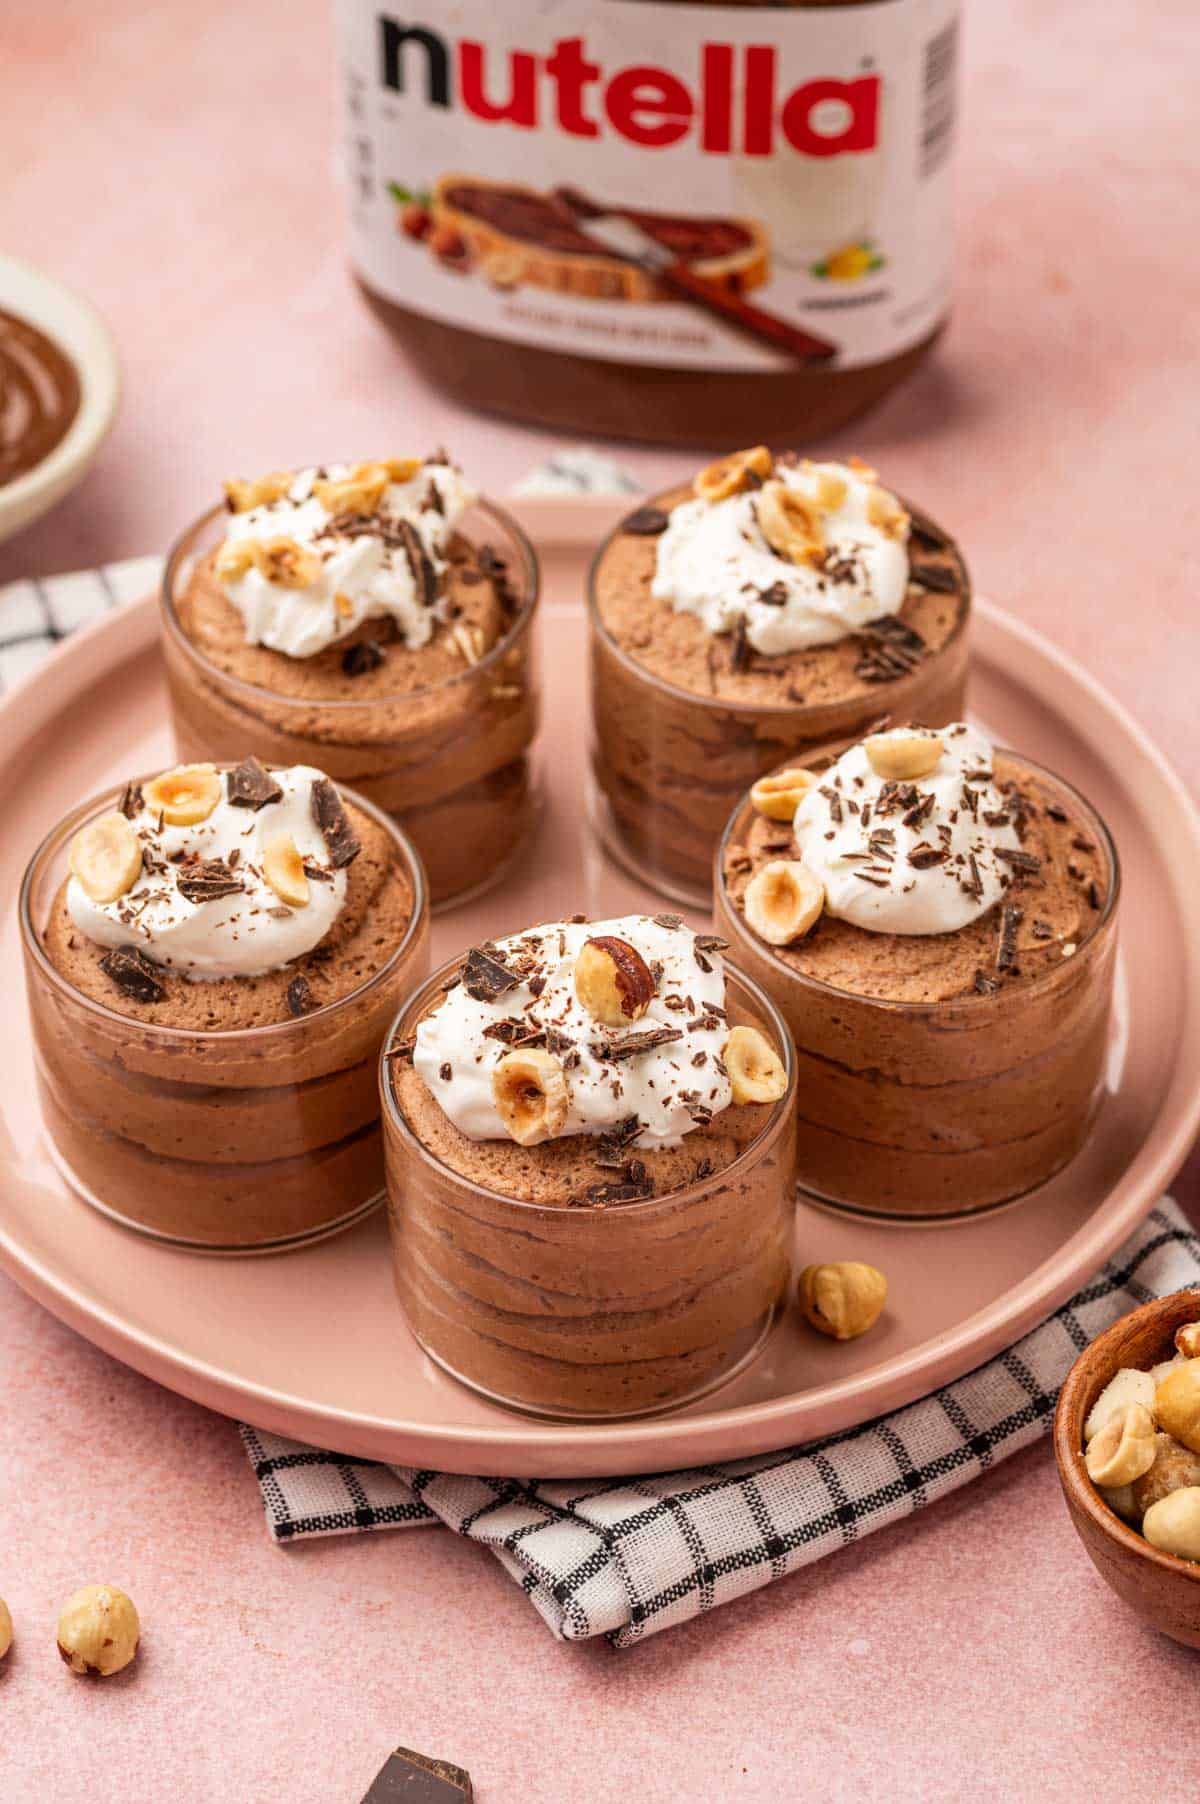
(40, 611)
(627, 1557)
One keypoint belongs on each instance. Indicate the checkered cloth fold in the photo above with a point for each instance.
(628, 1557)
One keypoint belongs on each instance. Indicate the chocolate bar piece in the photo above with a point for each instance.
(409, 1778)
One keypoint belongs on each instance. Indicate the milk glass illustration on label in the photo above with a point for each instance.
(690, 186)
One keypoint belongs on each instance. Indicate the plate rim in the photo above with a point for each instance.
(527, 1447)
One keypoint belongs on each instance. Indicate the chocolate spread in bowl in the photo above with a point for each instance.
(39, 396)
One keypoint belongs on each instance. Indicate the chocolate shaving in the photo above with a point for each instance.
(1056, 813)
(485, 977)
(670, 922)
(1006, 952)
(249, 785)
(985, 985)
(402, 1051)
(646, 522)
(739, 650)
(834, 800)
(892, 648)
(1093, 894)
(934, 576)
(926, 534)
(317, 872)
(776, 596)
(1042, 930)
(612, 1146)
(330, 816)
(207, 881)
(423, 574)
(366, 655)
(923, 856)
(130, 804)
(299, 996)
(514, 1033)
(633, 1044)
(974, 883)
(133, 973)
(1026, 862)
(630, 1190)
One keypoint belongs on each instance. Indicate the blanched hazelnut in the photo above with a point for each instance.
(281, 561)
(831, 489)
(1123, 1449)
(842, 1299)
(790, 523)
(885, 512)
(904, 755)
(613, 981)
(98, 1631)
(1173, 1524)
(242, 496)
(358, 493)
(184, 796)
(730, 475)
(783, 901)
(779, 795)
(283, 868)
(1174, 1467)
(5, 1629)
(106, 857)
(755, 1069)
(1129, 1385)
(1177, 1404)
(1187, 1340)
(531, 1096)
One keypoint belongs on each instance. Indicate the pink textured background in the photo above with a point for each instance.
(175, 164)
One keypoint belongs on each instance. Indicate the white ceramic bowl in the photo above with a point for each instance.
(73, 324)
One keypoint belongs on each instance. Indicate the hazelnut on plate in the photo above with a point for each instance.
(842, 1299)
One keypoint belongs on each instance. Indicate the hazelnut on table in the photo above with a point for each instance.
(5, 1629)
(98, 1631)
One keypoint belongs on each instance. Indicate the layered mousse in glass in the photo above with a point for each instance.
(774, 609)
(376, 620)
(937, 922)
(213, 957)
(590, 1140)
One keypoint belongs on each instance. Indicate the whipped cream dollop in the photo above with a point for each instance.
(369, 565)
(671, 1087)
(923, 856)
(714, 561)
(242, 934)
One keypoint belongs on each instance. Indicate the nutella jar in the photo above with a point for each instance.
(675, 222)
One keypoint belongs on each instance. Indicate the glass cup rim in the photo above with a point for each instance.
(778, 1112)
(70, 824)
(173, 627)
(972, 1002)
(814, 711)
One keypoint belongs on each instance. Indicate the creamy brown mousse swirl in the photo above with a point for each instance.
(40, 394)
(602, 1270)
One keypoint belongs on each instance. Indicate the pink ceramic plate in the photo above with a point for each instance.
(311, 1344)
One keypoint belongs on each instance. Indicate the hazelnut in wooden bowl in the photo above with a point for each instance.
(1154, 1496)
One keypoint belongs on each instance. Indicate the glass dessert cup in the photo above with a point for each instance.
(928, 1111)
(668, 764)
(453, 762)
(234, 1141)
(605, 1312)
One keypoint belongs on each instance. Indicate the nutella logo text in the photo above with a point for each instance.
(736, 104)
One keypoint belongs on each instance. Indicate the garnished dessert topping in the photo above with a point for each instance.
(221, 894)
(183, 796)
(299, 996)
(363, 656)
(106, 858)
(778, 796)
(908, 832)
(783, 902)
(613, 1029)
(250, 785)
(755, 1069)
(613, 981)
(309, 556)
(796, 554)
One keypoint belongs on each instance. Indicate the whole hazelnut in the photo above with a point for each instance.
(416, 221)
(449, 246)
(1187, 1340)
(5, 1629)
(1177, 1403)
(98, 1631)
(1174, 1467)
(843, 1299)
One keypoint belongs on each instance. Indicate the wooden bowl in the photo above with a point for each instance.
(1161, 1588)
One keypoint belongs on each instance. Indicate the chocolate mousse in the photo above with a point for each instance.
(589, 1145)
(937, 923)
(40, 393)
(210, 979)
(373, 619)
(774, 609)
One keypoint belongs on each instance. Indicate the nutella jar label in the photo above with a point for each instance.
(708, 187)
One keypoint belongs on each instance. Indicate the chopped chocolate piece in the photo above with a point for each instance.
(423, 573)
(670, 922)
(1028, 863)
(834, 800)
(402, 1051)
(711, 942)
(703, 1170)
(985, 985)
(486, 977)
(1056, 813)
(207, 881)
(1093, 894)
(739, 648)
(646, 522)
(612, 1146)
(1042, 930)
(299, 996)
(632, 1044)
(334, 822)
(629, 1190)
(974, 883)
(776, 596)
(130, 804)
(445, 1071)
(934, 576)
(1006, 952)
(366, 655)
(409, 1778)
(924, 855)
(249, 785)
(317, 872)
(925, 533)
(133, 973)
